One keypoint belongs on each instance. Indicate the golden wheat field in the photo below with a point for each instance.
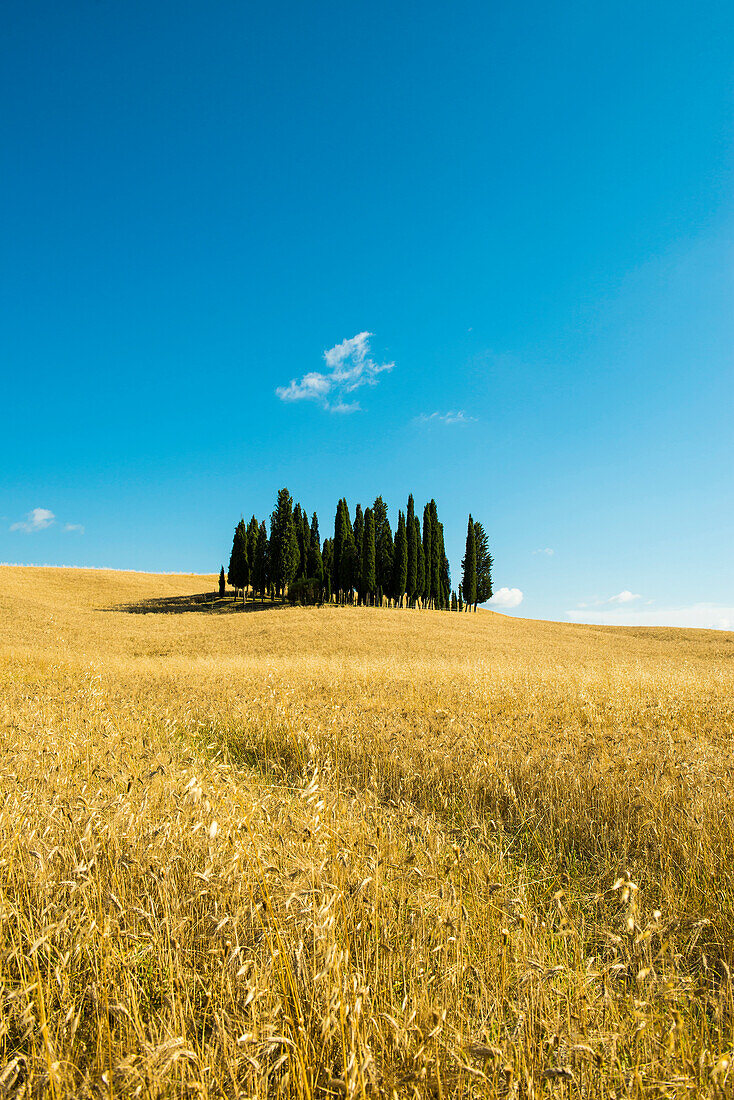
(344, 852)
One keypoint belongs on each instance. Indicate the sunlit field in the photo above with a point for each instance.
(358, 852)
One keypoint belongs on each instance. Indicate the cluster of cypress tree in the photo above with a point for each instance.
(362, 562)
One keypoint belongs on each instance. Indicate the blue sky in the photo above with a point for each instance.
(528, 210)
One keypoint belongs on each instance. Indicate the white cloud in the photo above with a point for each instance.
(506, 597)
(706, 616)
(546, 550)
(625, 596)
(350, 366)
(450, 417)
(312, 386)
(36, 520)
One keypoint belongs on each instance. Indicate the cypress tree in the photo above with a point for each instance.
(238, 573)
(410, 580)
(446, 581)
(232, 567)
(469, 565)
(222, 581)
(245, 564)
(337, 549)
(342, 565)
(284, 552)
(346, 553)
(484, 564)
(435, 556)
(327, 555)
(379, 515)
(291, 556)
(298, 527)
(420, 570)
(454, 604)
(315, 561)
(444, 572)
(252, 529)
(400, 561)
(427, 536)
(461, 599)
(383, 548)
(369, 582)
(305, 542)
(260, 566)
(358, 531)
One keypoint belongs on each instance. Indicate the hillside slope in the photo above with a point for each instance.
(311, 852)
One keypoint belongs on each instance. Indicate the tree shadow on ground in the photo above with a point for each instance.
(207, 603)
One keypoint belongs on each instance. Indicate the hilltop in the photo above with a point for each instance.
(60, 606)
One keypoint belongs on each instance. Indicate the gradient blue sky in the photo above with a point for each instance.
(529, 208)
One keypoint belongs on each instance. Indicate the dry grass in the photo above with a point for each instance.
(336, 852)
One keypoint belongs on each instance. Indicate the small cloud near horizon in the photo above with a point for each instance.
(625, 596)
(506, 597)
(79, 527)
(546, 550)
(350, 366)
(38, 519)
(450, 417)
